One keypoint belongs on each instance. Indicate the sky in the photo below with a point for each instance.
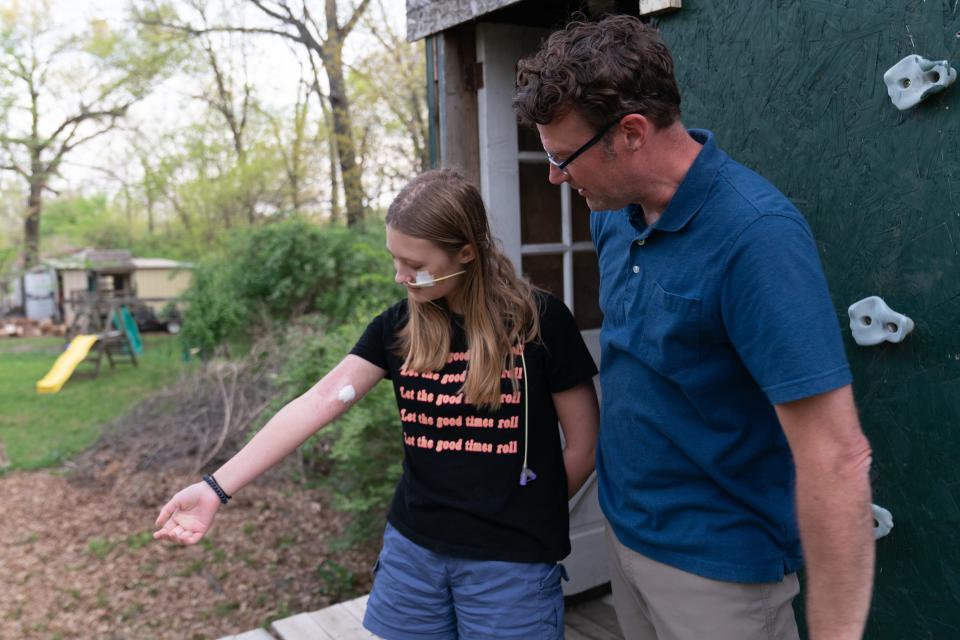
(273, 67)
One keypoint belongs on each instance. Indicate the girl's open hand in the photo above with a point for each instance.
(188, 515)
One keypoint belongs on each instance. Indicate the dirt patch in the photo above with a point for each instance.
(78, 559)
(77, 556)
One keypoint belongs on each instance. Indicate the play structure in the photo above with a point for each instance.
(117, 339)
(63, 368)
(102, 326)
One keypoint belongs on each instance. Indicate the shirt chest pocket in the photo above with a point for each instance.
(670, 339)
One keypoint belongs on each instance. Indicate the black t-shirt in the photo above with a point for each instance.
(460, 492)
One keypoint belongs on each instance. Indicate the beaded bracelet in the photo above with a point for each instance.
(210, 480)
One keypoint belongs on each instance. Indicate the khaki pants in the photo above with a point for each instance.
(655, 601)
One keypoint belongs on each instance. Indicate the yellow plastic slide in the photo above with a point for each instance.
(66, 363)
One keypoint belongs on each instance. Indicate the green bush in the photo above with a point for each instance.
(359, 456)
(280, 271)
(322, 286)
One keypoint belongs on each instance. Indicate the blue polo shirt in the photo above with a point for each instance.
(712, 315)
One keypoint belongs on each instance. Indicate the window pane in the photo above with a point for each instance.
(586, 290)
(545, 271)
(580, 217)
(539, 205)
(528, 139)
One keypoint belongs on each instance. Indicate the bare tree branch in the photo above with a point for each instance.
(26, 142)
(352, 22)
(81, 141)
(16, 168)
(270, 12)
(115, 112)
(193, 31)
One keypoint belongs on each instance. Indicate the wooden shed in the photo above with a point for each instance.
(160, 280)
(795, 91)
(154, 282)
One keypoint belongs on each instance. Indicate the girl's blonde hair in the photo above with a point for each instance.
(499, 307)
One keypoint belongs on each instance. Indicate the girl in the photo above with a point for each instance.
(482, 366)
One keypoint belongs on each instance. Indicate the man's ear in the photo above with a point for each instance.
(636, 128)
(466, 254)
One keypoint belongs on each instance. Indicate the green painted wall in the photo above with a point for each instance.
(794, 90)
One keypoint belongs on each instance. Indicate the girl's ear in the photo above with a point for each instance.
(466, 254)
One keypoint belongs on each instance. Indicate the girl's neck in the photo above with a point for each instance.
(454, 304)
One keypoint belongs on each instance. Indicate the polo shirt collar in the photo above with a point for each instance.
(692, 192)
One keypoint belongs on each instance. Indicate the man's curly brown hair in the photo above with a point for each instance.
(602, 70)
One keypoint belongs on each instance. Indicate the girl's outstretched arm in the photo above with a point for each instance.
(579, 417)
(189, 514)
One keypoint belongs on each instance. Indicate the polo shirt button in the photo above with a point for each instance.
(641, 242)
(636, 269)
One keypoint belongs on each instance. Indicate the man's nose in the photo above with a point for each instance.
(556, 176)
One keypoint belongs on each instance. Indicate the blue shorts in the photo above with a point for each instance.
(421, 595)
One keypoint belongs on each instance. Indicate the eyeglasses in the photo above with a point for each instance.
(563, 164)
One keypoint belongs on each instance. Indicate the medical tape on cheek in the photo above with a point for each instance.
(424, 279)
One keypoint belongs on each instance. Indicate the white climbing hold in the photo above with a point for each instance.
(914, 78)
(884, 520)
(873, 322)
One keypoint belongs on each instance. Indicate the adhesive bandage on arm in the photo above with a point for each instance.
(347, 394)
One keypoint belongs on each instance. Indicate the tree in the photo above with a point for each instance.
(192, 179)
(61, 90)
(323, 42)
(327, 44)
(292, 146)
(231, 93)
(390, 82)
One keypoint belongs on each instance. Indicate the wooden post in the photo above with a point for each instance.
(460, 78)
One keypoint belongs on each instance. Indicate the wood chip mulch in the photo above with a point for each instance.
(77, 560)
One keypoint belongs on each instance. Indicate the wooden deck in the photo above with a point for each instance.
(590, 619)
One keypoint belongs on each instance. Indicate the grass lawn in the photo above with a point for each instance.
(42, 430)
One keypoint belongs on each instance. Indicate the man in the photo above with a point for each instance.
(728, 430)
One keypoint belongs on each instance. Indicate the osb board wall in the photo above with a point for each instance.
(426, 17)
(794, 90)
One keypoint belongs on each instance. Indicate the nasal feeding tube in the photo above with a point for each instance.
(526, 474)
(425, 279)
